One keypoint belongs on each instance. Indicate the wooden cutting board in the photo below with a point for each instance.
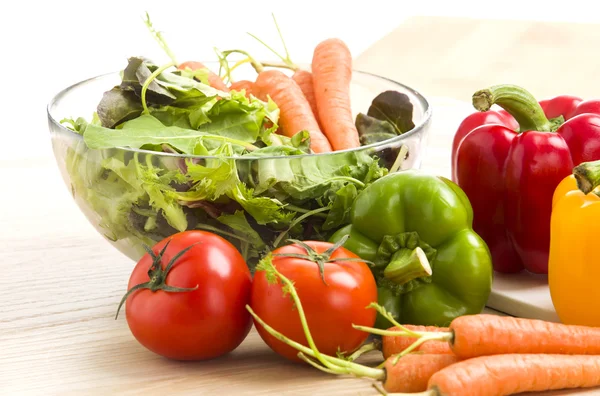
(458, 56)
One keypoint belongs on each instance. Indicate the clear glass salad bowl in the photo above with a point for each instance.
(135, 197)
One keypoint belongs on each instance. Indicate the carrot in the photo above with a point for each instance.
(213, 79)
(413, 371)
(480, 335)
(295, 112)
(477, 335)
(242, 85)
(410, 374)
(393, 345)
(304, 79)
(495, 375)
(509, 374)
(332, 72)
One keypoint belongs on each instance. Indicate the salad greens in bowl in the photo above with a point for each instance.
(154, 150)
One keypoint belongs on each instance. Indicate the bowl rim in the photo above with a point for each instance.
(377, 146)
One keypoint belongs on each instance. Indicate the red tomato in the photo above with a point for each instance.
(192, 325)
(330, 308)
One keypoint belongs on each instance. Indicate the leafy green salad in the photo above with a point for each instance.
(166, 152)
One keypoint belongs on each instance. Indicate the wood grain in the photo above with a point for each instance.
(61, 282)
(454, 57)
(60, 288)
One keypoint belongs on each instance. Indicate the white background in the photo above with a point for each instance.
(49, 45)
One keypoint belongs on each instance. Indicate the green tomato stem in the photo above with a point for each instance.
(406, 265)
(158, 275)
(587, 176)
(518, 102)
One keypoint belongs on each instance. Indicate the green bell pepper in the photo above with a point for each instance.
(429, 264)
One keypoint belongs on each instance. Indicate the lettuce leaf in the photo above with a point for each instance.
(148, 130)
(339, 213)
(306, 177)
(239, 223)
(237, 187)
(264, 210)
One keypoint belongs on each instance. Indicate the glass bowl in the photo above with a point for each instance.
(114, 187)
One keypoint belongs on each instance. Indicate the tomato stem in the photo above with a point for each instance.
(158, 276)
(320, 258)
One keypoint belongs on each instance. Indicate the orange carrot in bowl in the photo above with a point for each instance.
(501, 375)
(213, 79)
(391, 345)
(304, 79)
(413, 371)
(295, 113)
(332, 72)
(246, 85)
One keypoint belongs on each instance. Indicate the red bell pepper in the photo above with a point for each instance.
(510, 162)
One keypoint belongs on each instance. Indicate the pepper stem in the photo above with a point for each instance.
(518, 102)
(587, 175)
(406, 265)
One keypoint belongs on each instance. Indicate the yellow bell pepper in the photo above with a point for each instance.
(573, 267)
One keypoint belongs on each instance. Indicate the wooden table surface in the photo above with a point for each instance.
(61, 282)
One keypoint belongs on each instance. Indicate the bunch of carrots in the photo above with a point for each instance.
(477, 355)
(317, 101)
